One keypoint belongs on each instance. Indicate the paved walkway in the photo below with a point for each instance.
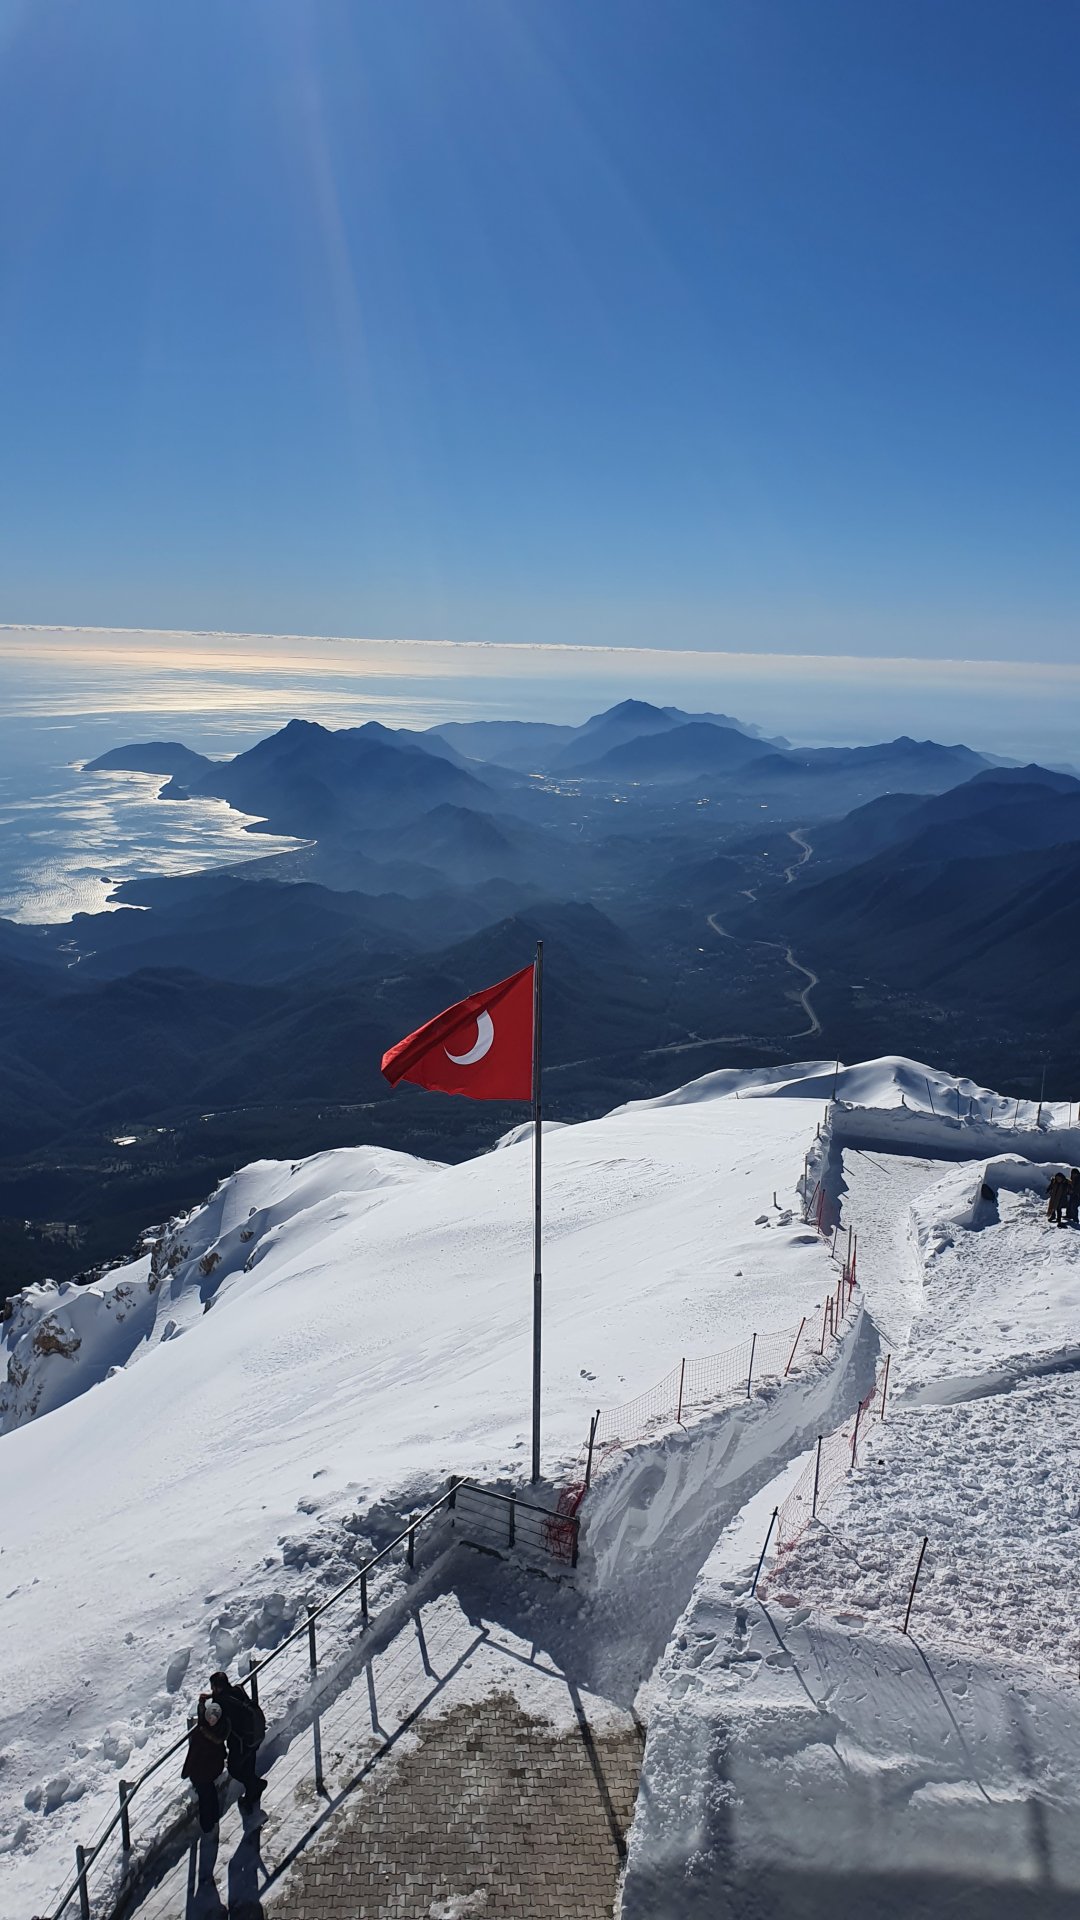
(466, 1772)
(493, 1815)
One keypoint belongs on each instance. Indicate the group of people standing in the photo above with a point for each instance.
(1063, 1199)
(228, 1732)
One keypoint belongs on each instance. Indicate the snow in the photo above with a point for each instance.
(233, 1420)
(274, 1405)
(805, 1757)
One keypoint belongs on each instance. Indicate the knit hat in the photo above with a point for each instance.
(211, 1713)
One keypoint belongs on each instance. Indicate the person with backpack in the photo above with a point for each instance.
(245, 1729)
(1057, 1198)
(204, 1762)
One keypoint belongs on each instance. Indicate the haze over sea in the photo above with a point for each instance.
(68, 694)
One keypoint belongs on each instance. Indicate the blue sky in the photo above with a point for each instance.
(680, 324)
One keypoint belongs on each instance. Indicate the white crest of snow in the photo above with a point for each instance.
(331, 1338)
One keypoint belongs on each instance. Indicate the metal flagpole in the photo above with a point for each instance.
(538, 1002)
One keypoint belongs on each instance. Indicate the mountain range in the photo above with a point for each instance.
(688, 874)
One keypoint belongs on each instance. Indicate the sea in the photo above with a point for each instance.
(68, 837)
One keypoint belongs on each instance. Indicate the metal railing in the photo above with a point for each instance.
(520, 1525)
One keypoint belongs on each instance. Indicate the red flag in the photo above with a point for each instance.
(482, 1047)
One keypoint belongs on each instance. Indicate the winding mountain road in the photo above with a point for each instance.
(811, 978)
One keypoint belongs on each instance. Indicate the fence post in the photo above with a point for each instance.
(410, 1547)
(577, 1537)
(835, 1231)
(825, 1324)
(682, 1377)
(125, 1817)
(363, 1598)
(764, 1551)
(915, 1582)
(510, 1540)
(933, 1109)
(884, 1386)
(84, 1891)
(588, 1461)
(795, 1348)
(855, 1431)
(750, 1375)
(313, 1657)
(817, 1476)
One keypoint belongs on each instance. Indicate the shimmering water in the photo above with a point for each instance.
(66, 695)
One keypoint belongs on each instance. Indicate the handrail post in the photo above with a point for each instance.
(795, 1348)
(817, 1477)
(363, 1598)
(125, 1818)
(253, 1679)
(313, 1656)
(682, 1377)
(511, 1535)
(410, 1548)
(750, 1375)
(84, 1892)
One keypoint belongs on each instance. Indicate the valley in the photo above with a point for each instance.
(211, 1018)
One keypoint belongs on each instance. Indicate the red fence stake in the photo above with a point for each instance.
(795, 1348)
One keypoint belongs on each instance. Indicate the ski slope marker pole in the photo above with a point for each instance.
(915, 1582)
(764, 1551)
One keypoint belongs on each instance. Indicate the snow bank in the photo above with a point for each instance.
(803, 1768)
(346, 1332)
(804, 1759)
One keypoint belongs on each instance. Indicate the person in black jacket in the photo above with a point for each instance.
(1072, 1199)
(204, 1762)
(244, 1729)
(1057, 1198)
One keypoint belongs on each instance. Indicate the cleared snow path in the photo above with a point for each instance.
(806, 1760)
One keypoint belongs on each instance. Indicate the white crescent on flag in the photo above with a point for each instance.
(485, 1034)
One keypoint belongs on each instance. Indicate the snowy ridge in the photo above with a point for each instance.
(803, 1757)
(328, 1340)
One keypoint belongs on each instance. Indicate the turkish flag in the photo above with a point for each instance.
(482, 1047)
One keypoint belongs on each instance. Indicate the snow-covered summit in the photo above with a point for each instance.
(323, 1343)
